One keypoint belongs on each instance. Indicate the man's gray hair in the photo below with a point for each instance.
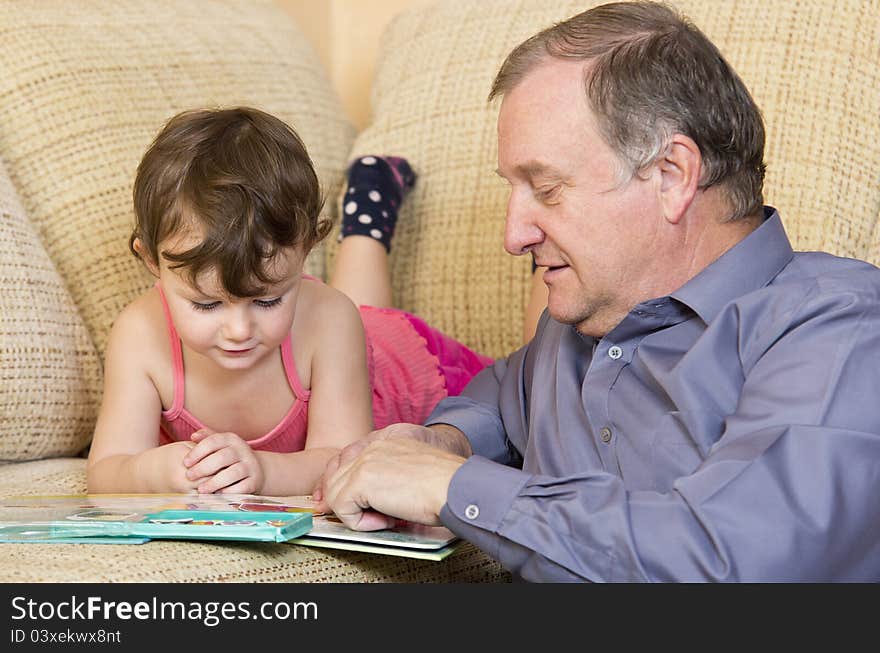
(650, 73)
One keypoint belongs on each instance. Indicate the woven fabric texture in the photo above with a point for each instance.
(84, 88)
(232, 562)
(811, 65)
(50, 375)
(196, 562)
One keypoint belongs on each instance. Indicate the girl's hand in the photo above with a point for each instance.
(223, 462)
(170, 460)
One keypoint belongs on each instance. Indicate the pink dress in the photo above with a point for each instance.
(412, 367)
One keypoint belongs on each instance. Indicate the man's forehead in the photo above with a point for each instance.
(551, 76)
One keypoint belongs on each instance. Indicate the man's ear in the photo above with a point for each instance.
(144, 255)
(679, 166)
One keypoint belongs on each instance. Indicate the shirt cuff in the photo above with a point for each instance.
(478, 499)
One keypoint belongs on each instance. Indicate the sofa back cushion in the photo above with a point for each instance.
(50, 375)
(811, 66)
(84, 88)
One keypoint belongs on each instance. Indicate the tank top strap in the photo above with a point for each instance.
(176, 355)
(289, 364)
(290, 370)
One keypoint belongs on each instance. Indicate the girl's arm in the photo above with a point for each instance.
(340, 407)
(124, 455)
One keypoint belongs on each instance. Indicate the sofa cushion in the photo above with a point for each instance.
(811, 65)
(85, 86)
(50, 375)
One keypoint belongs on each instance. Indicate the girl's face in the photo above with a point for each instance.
(233, 332)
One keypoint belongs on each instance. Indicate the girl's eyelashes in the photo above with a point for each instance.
(262, 303)
(206, 306)
(268, 303)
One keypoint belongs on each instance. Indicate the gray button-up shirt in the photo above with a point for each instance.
(729, 431)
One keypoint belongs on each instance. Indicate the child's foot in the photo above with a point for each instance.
(377, 185)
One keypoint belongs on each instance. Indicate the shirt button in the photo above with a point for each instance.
(472, 512)
(605, 434)
(615, 352)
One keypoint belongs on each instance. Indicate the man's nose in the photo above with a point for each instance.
(521, 232)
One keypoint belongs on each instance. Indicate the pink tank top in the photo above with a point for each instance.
(178, 424)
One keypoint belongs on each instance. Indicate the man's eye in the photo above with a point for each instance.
(267, 303)
(206, 306)
(549, 193)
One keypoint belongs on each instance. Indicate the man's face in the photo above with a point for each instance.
(568, 205)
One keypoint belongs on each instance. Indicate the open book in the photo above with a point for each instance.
(138, 518)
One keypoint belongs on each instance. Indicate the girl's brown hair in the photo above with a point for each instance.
(240, 178)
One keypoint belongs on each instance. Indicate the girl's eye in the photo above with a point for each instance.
(208, 306)
(267, 303)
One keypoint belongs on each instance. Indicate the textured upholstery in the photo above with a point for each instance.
(50, 375)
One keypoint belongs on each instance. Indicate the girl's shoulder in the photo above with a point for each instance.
(323, 312)
(140, 328)
(320, 300)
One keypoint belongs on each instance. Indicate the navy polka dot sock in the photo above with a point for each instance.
(377, 186)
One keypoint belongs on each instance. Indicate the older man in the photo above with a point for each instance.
(697, 403)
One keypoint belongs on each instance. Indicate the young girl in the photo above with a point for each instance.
(236, 372)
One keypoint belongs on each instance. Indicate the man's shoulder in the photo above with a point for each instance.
(820, 273)
(813, 283)
(815, 264)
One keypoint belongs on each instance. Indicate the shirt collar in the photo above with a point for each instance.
(750, 264)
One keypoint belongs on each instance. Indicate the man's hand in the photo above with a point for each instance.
(442, 436)
(390, 478)
(223, 462)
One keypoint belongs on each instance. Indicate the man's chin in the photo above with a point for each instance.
(584, 323)
(565, 316)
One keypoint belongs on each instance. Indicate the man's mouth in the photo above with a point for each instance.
(552, 271)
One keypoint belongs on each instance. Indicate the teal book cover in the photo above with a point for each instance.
(135, 519)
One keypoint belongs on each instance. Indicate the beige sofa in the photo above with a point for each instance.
(85, 85)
